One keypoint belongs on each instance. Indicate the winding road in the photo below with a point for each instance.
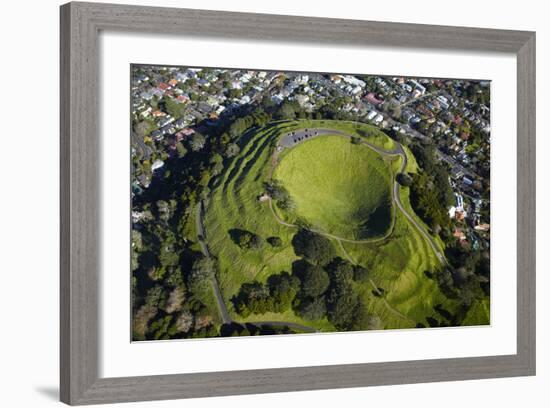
(140, 144)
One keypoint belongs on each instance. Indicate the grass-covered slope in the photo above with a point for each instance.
(338, 187)
(396, 264)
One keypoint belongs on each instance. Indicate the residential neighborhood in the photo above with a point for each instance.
(169, 104)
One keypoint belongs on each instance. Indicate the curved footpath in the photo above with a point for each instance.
(300, 136)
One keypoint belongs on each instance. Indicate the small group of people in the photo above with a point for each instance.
(305, 136)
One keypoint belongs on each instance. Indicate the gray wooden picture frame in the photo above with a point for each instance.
(81, 24)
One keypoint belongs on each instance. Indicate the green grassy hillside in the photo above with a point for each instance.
(338, 187)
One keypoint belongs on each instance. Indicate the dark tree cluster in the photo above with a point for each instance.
(173, 306)
(246, 240)
(168, 298)
(275, 242)
(252, 329)
(467, 277)
(321, 285)
(330, 291)
(314, 248)
(431, 192)
(280, 195)
(276, 295)
(404, 179)
(327, 284)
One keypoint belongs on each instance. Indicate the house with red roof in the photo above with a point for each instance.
(163, 86)
(371, 97)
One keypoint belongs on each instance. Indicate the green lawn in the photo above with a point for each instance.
(335, 185)
(338, 187)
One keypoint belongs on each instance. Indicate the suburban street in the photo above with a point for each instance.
(140, 144)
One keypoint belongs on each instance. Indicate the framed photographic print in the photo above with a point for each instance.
(355, 197)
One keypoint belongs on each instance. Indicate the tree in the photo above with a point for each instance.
(275, 242)
(142, 129)
(175, 300)
(404, 179)
(156, 273)
(216, 162)
(342, 303)
(267, 103)
(200, 277)
(159, 328)
(174, 277)
(431, 195)
(312, 309)
(313, 247)
(141, 321)
(137, 244)
(361, 319)
(197, 142)
(283, 289)
(234, 93)
(156, 297)
(341, 270)
(280, 195)
(315, 281)
(256, 242)
(232, 150)
(245, 239)
(287, 110)
(168, 255)
(252, 298)
(180, 148)
(276, 295)
(396, 111)
(155, 300)
(360, 273)
(172, 107)
(240, 126)
(184, 322)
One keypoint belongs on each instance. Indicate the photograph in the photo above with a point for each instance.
(269, 204)
(278, 202)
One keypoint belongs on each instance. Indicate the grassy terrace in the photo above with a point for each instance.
(336, 186)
